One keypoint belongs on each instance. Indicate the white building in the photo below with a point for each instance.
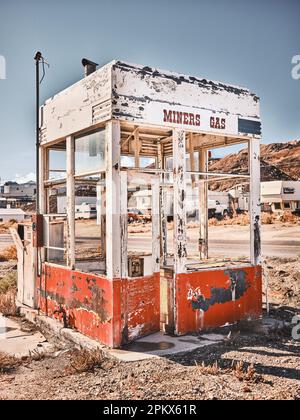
(85, 207)
(280, 196)
(6, 215)
(19, 191)
(142, 200)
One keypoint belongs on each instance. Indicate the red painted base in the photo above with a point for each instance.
(214, 298)
(116, 312)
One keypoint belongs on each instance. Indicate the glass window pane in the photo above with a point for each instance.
(90, 153)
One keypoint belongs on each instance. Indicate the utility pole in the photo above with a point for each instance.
(38, 58)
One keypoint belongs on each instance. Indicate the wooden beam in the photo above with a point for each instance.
(130, 135)
(192, 157)
(203, 206)
(137, 148)
(255, 201)
(124, 224)
(155, 224)
(71, 202)
(180, 221)
(113, 209)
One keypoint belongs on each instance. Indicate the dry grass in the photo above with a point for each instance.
(246, 373)
(213, 370)
(4, 227)
(8, 305)
(266, 219)
(242, 371)
(8, 282)
(9, 254)
(86, 361)
(8, 363)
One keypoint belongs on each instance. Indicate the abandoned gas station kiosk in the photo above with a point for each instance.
(121, 129)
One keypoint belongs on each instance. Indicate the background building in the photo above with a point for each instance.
(279, 196)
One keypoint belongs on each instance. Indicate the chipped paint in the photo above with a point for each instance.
(237, 288)
(130, 92)
(148, 92)
(209, 299)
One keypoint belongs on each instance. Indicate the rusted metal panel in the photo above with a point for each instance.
(140, 307)
(85, 300)
(153, 96)
(209, 299)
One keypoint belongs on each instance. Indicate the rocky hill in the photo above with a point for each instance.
(279, 161)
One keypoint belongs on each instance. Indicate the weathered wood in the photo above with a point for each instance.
(180, 222)
(137, 148)
(164, 225)
(150, 97)
(113, 225)
(155, 224)
(124, 224)
(70, 202)
(203, 206)
(255, 201)
(192, 157)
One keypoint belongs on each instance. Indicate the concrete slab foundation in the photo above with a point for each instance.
(19, 343)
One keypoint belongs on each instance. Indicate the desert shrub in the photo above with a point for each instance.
(5, 226)
(8, 305)
(85, 360)
(9, 254)
(8, 282)
(8, 363)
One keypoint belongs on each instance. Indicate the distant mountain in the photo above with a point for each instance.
(279, 161)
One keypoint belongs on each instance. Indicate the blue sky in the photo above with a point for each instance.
(247, 43)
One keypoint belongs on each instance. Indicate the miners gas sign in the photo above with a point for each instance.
(191, 119)
(195, 119)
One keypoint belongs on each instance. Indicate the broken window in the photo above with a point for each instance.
(90, 232)
(90, 153)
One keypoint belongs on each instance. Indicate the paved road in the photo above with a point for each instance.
(5, 241)
(229, 241)
(233, 241)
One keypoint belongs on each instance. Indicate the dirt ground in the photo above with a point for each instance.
(251, 367)
(251, 364)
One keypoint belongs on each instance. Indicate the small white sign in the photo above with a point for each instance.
(296, 68)
(2, 68)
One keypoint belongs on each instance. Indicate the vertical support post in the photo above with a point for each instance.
(137, 147)
(255, 201)
(44, 174)
(124, 225)
(42, 177)
(113, 205)
(162, 208)
(192, 157)
(180, 222)
(71, 202)
(155, 225)
(98, 202)
(101, 215)
(203, 209)
(164, 225)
